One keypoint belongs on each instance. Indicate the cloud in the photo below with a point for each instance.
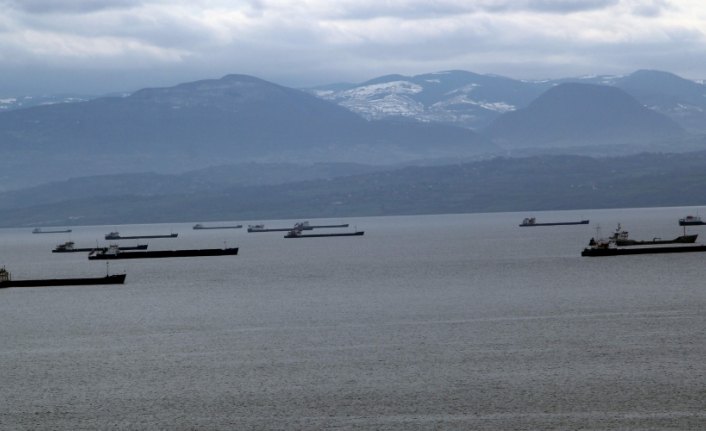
(546, 6)
(650, 8)
(70, 6)
(307, 42)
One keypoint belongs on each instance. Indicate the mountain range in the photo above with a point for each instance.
(572, 114)
(240, 137)
(471, 100)
(233, 119)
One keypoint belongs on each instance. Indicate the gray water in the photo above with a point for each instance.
(453, 322)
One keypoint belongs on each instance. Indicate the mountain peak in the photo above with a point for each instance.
(576, 114)
(228, 92)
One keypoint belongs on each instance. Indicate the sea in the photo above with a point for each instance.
(439, 322)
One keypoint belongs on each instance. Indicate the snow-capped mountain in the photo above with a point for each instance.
(454, 97)
(473, 101)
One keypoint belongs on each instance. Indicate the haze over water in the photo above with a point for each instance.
(427, 322)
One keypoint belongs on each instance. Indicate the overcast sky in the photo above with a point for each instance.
(101, 46)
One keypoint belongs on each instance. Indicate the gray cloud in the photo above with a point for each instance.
(70, 6)
(366, 9)
(650, 8)
(121, 45)
(547, 6)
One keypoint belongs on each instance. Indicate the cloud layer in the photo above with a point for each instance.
(114, 45)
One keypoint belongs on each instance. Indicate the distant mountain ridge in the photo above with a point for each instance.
(471, 100)
(234, 119)
(500, 184)
(388, 120)
(573, 114)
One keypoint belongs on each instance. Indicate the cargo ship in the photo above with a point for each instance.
(691, 220)
(199, 226)
(113, 252)
(116, 235)
(531, 221)
(621, 239)
(70, 247)
(40, 230)
(301, 226)
(617, 251)
(607, 247)
(7, 281)
(294, 233)
(252, 228)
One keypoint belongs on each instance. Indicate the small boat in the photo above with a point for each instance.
(7, 281)
(621, 239)
(70, 247)
(532, 221)
(113, 252)
(40, 230)
(297, 233)
(116, 235)
(198, 226)
(691, 220)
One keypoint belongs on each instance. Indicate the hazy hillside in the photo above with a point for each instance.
(234, 119)
(146, 184)
(502, 184)
(682, 100)
(574, 114)
(14, 102)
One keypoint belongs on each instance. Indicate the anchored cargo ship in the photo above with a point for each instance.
(199, 226)
(69, 247)
(116, 235)
(114, 253)
(7, 281)
(531, 221)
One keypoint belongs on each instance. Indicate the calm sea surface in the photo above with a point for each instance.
(452, 322)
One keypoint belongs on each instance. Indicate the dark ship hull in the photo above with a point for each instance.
(554, 224)
(109, 236)
(684, 239)
(320, 235)
(276, 229)
(74, 250)
(102, 255)
(328, 226)
(642, 250)
(302, 227)
(109, 279)
(217, 227)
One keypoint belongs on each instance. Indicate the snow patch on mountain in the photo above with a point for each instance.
(376, 101)
(418, 100)
(463, 99)
(385, 106)
(374, 90)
